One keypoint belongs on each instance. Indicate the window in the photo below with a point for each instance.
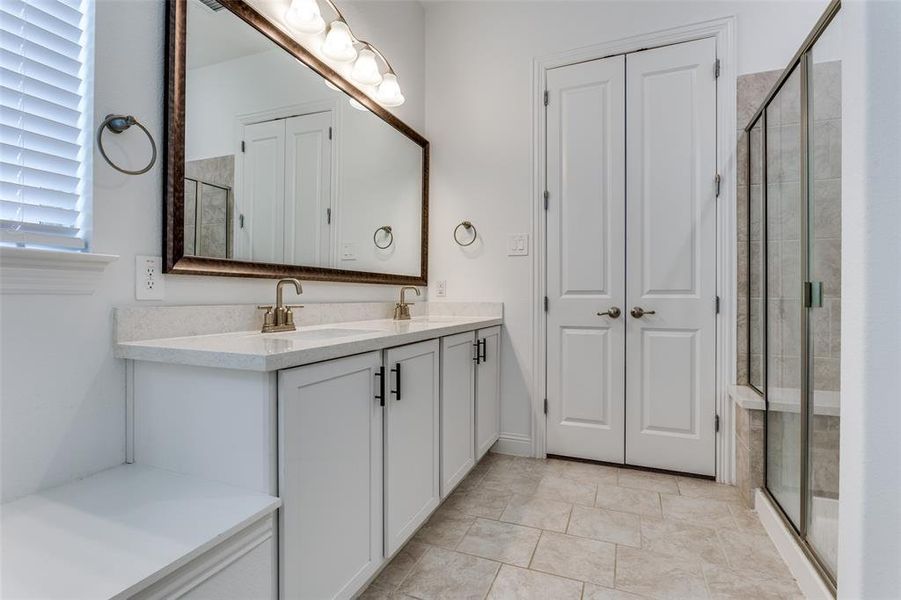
(45, 116)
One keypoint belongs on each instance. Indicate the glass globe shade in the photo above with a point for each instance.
(338, 44)
(366, 68)
(304, 16)
(389, 93)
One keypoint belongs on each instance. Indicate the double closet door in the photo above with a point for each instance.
(631, 258)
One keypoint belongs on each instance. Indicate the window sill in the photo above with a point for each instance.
(33, 271)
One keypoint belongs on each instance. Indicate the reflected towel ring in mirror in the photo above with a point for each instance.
(467, 226)
(388, 234)
(117, 124)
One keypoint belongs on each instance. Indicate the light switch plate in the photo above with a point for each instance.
(349, 251)
(518, 244)
(149, 282)
(441, 288)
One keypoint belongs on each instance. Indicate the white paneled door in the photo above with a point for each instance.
(586, 259)
(631, 222)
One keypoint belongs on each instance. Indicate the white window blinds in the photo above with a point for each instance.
(43, 67)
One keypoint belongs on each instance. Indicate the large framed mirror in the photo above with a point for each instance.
(276, 166)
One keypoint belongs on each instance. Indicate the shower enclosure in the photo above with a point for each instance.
(794, 295)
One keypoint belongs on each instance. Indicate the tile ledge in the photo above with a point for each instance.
(34, 271)
(746, 397)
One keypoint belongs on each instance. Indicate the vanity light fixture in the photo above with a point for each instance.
(340, 45)
(356, 104)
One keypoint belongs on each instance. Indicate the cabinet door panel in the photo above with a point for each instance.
(488, 391)
(330, 481)
(457, 409)
(411, 440)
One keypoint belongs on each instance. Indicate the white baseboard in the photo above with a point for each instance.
(513, 443)
(809, 580)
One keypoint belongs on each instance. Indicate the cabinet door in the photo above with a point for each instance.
(411, 440)
(457, 409)
(330, 479)
(488, 390)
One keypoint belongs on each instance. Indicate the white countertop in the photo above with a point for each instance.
(116, 532)
(253, 351)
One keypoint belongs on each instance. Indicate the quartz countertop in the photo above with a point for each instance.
(115, 533)
(255, 351)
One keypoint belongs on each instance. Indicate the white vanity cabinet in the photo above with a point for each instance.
(458, 353)
(330, 476)
(411, 440)
(488, 389)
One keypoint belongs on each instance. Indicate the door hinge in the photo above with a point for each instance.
(328, 216)
(717, 305)
(547, 98)
(716, 423)
(717, 179)
(545, 406)
(546, 196)
(545, 304)
(242, 146)
(716, 68)
(329, 133)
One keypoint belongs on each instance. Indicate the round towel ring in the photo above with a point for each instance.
(388, 234)
(467, 226)
(118, 124)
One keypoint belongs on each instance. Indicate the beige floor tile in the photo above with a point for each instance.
(704, 488)
(514, 482)
(605, 525)
(378, 590)
(567, 490)
(402, 563)
(640, 502)
(681, 538)
(729, 584)
(574, 557)
(513, 583)
(703, 511)
(747, 519)
(445, 528)
(537, 512)
(660, 576)
(646, 480)
(596, 592)
(582, 471)
(486, 503)
(506, 542)
(442, 574)
(743, 548)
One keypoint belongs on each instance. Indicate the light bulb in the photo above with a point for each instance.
(389, 91)
(304, 16)
(366, 69)
(338, 43)
(356, 104)
(331, 85)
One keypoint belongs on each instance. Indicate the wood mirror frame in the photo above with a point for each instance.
(175, 260)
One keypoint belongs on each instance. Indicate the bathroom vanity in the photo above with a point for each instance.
(359, 427)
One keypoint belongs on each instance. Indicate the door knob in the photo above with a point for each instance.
(614, 312)
(638, 312)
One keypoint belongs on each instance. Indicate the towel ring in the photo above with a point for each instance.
(117, 124)
(388, 234)
(467, 226)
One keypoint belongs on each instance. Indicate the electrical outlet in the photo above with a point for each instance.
(349, 251)
(518, 244)
(441, 288)
(149, 282)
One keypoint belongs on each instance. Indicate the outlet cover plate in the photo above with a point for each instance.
(149, 282)
(518, 244)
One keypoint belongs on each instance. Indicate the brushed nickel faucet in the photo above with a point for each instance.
(402, 308)
(281, 317)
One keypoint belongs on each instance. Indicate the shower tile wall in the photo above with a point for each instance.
(216, 204)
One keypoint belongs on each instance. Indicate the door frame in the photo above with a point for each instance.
(723, 31)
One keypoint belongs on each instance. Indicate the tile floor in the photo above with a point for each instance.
(519, 528)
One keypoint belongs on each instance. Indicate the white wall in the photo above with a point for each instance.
(479, 93)
(63, 393)
(869, 550)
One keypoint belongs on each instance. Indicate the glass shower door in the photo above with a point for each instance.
(783, 310)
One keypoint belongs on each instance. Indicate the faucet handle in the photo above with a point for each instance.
(268, 317)
(289, 314)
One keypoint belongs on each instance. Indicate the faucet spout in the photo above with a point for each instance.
(402, 308)
(279, 295)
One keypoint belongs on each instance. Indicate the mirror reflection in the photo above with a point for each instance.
(280, 167)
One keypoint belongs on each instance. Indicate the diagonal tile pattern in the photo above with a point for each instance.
(519, 528)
